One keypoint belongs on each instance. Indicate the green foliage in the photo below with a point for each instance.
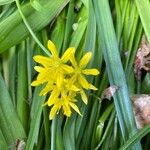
(106, 28)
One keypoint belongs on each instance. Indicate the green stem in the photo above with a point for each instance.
(53, 133)
(30, 30)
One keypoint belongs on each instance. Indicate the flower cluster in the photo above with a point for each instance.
(64, 78)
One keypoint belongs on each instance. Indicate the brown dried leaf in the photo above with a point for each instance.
(142, 60)
(109, 92)
(141, 107)
(20, 144)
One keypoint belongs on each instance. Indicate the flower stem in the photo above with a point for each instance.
(53, 133)
(30, 30)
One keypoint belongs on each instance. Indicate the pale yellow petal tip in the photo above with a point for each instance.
(81, 115)
(72, 49)
(85, 102)
(42, 93)
(97, 71)
(36, 58)
(51, 117)
(51, 45)
(89, 54)
(92, 87)
(38, 68)
(34, 83)
(52, 48)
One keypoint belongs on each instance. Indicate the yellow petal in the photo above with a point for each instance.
(73, 60)
(67, 55)
(84, 83)
(71, 81)
(60, 79)
(74, 88)
(90, 72)
(47, 89)
(53, 111)
(84, 97)
(66, 110)
(46, 75)
(92, 87)
(67, 69)
(53, 97)
(43, 77)
(72, 96)
(39, 68)
(85, 59)
(36, 83)
(52, 49)
(75, 107)
(45, 61)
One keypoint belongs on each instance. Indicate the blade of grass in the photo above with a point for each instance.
(120, 12)
(59, 137)
(138, 136)
(143, 10)
(12, 61)
(89, 45)
(30, 30)
(6, 11)
(102, 120)
(14, 32)
(22, 86)
(81, 26)
(114, 68)
(35, 114)
(107, 130)
(40, 139)
(9, 118)
(47, 126)
(69, 22)
(4, 2)
(57, 34)
(69, 133)
(3, 144)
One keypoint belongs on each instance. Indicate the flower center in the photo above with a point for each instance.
(57, 63)
(78, 70)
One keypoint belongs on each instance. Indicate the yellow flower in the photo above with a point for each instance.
(66, 102)
(63, 80)
(53, 68)
(61, 97)
(78, 75)
(58, 91)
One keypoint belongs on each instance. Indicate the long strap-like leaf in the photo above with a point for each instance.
(114, 67)
(10, 125)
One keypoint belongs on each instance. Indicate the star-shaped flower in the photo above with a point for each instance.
(78, 75)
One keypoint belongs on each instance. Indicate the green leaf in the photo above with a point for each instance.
(22, 86)
(143, 9)
(69, 22)
(4, 2)
(114, 68)
(13, 30)
(79, 28)
(3, 144)
(69, 133)
(138, 136)
(9, 118)
(35, 114)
